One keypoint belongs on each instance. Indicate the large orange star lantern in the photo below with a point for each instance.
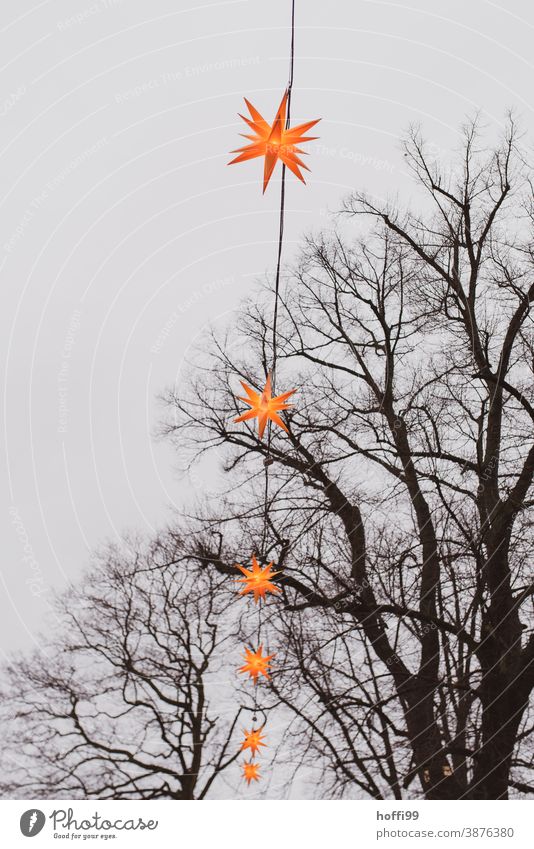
(257, 580)
(251, 772)
(264, 406)
(253, 741)
(274, 141)
(256, 663)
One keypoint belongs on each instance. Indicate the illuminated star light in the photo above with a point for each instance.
(256, 663)
(257, 580)
(264, 406)
(251, 772)
(253, 740)
(274, 142)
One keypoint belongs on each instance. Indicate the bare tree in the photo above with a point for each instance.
(400, 502)
(126, 701)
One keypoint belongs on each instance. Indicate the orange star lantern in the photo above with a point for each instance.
(274, 142)
(256, 663)
(253, 740)
(251, 772)
(257, 580)
(264, 406)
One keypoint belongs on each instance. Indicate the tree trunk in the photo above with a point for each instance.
(503, 703)
(436, 775)
(503, 690)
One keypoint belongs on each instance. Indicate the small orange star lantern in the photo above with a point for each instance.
(253, 740)
(264, 406)
(256, 663)
(257, 580)
(251, 772)
(274, 141)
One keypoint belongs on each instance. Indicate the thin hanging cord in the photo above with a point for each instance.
(282, 202)
(268, 460)
(279, 262)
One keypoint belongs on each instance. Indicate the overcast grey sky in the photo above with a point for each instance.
(123, 234)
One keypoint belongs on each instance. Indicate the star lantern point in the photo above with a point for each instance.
(264, 407)
(256, 663)
(257, 580)
(253, 740)
(251, 772)
(274, 141)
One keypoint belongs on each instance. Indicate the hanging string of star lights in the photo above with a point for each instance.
(276, 141)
